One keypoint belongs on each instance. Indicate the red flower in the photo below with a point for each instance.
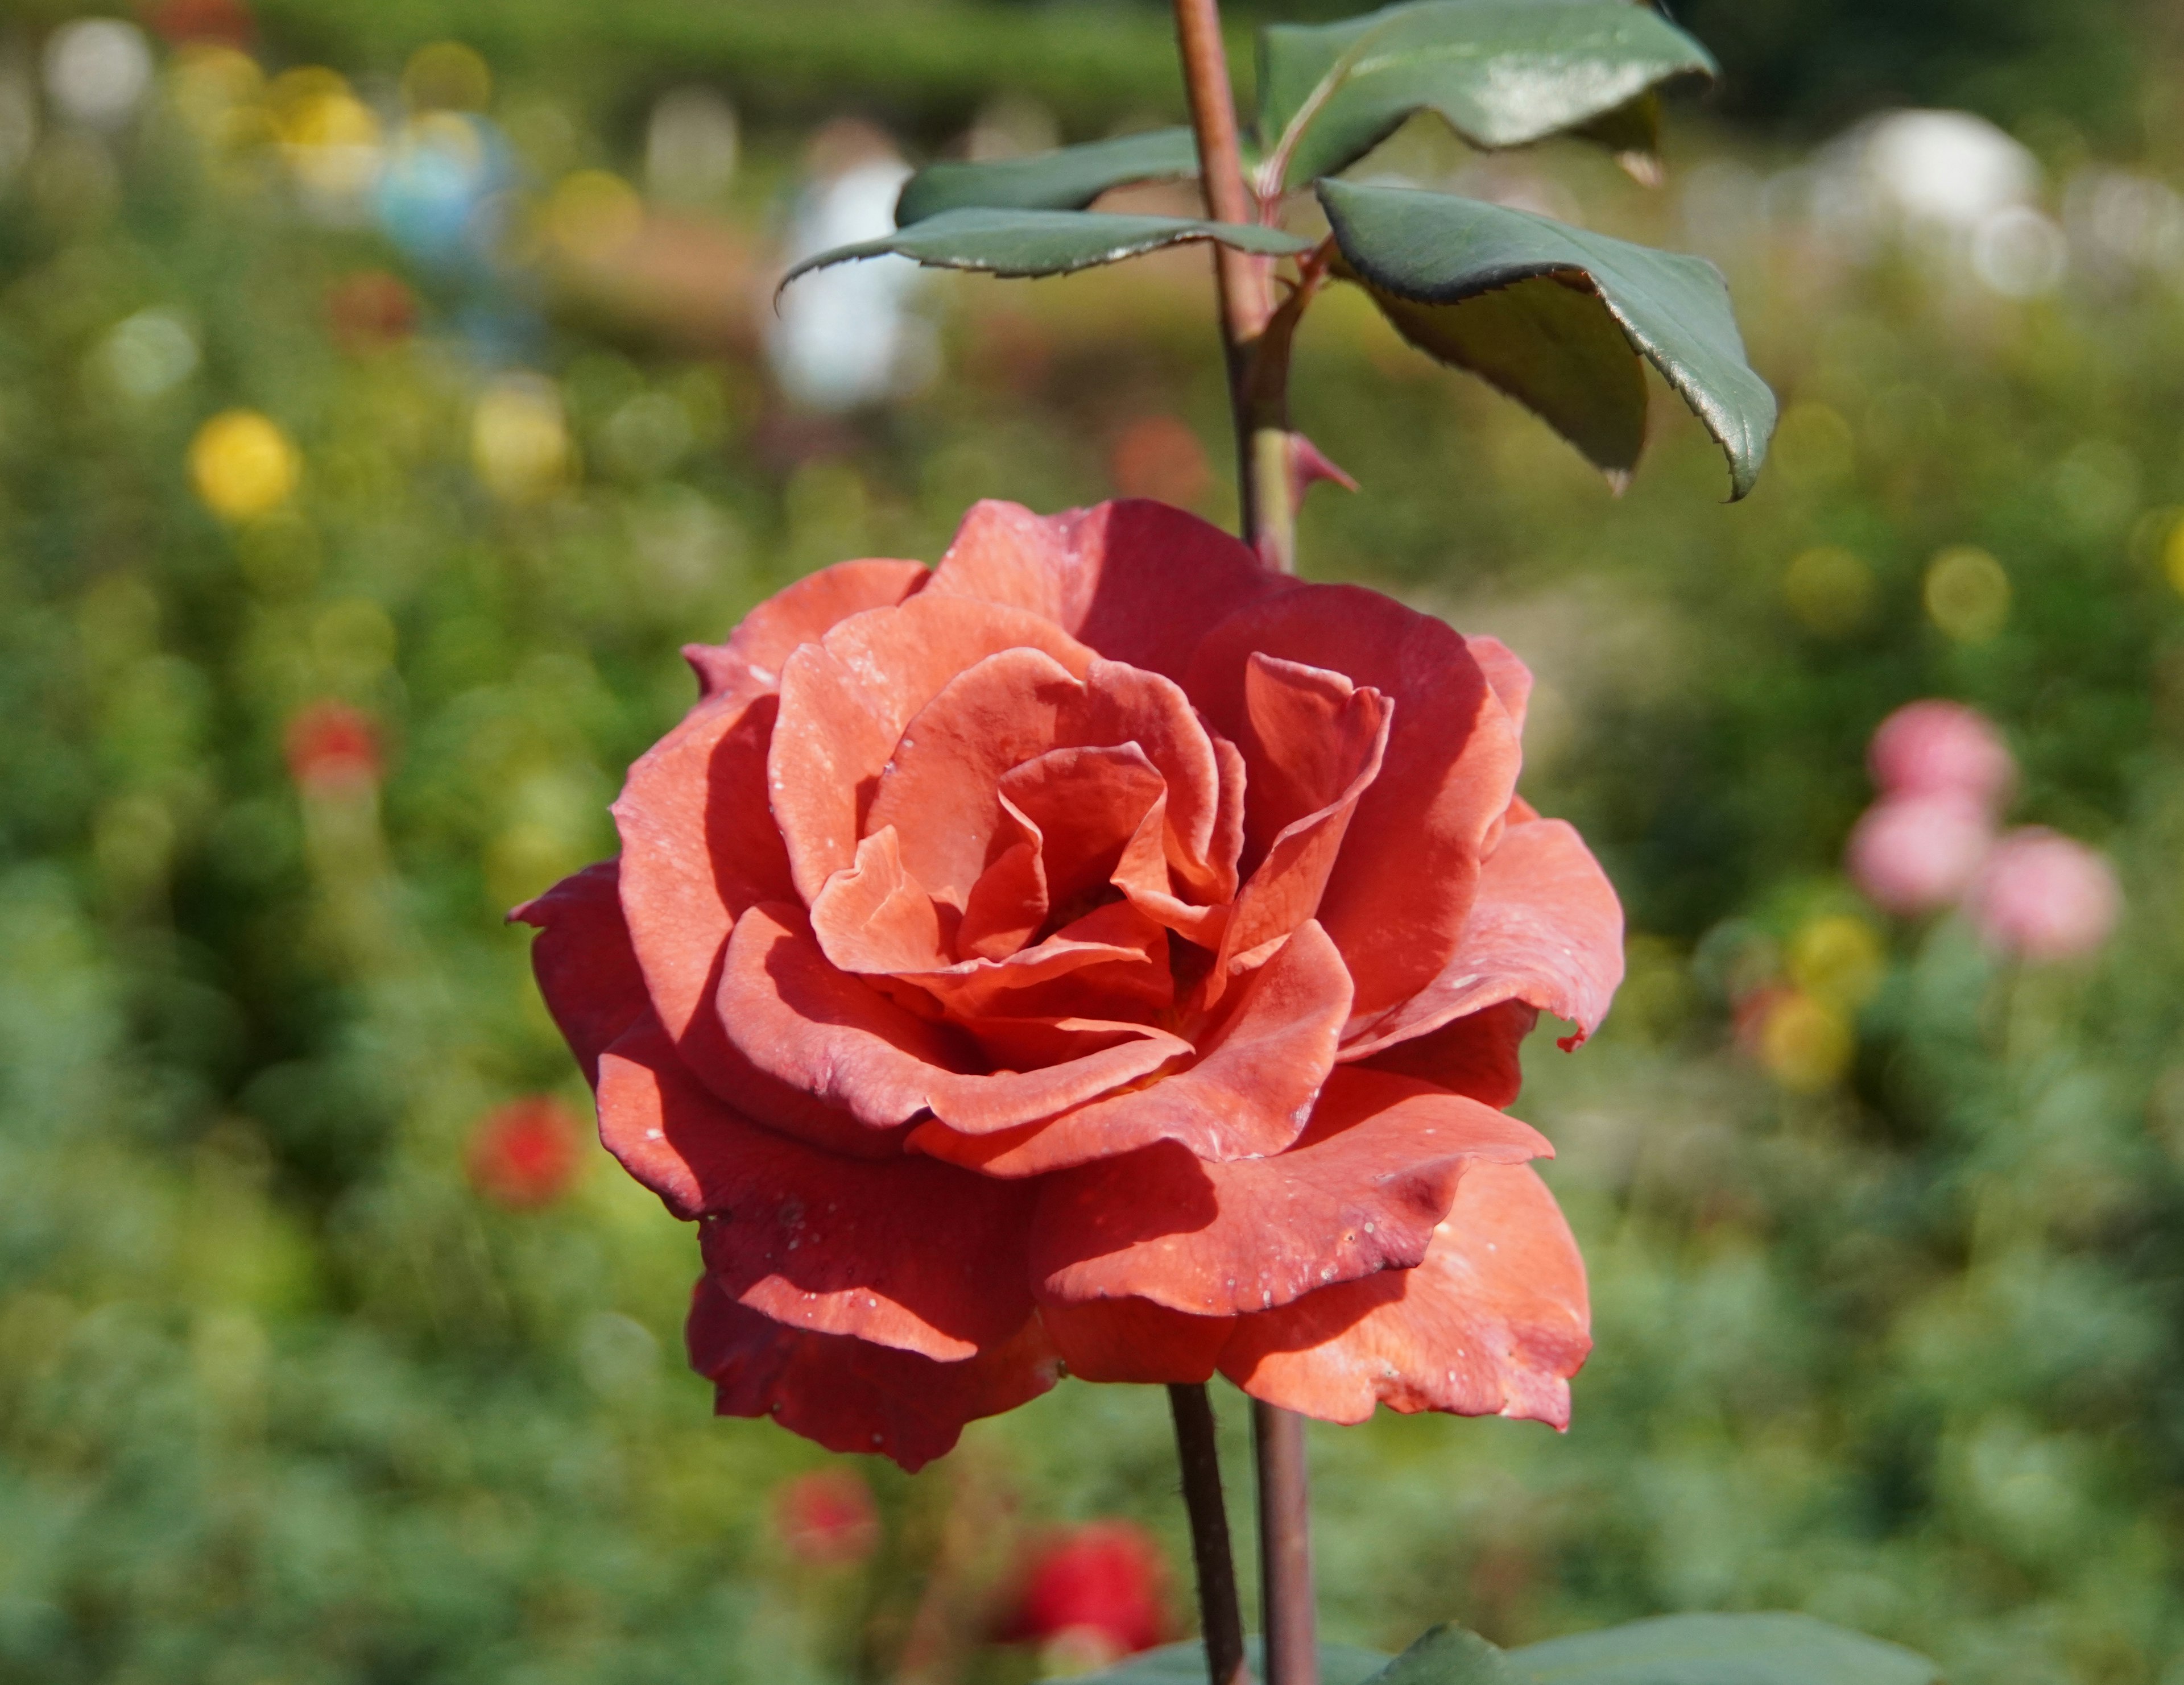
(370, 308)
(827, 1517)
(1101, 1591)
(524, 1153)
(331, 744)
(221, 23)
(1096, 950)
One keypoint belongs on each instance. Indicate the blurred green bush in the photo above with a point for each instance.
(1886, 1309)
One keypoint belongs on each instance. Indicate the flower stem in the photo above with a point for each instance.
(1257, 385)
(1256, 337)
(1285, 1593)
(1219, 1616)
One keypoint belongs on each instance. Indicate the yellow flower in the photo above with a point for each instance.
(1805, 1045)
(243, 464)
(519, 439)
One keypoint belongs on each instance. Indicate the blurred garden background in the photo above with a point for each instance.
(389, 387)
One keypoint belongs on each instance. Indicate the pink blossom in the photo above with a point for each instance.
(2044, 896)
(1941, 749)
(1912, 853)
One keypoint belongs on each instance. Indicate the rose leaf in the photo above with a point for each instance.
(1557, 318)
(1036, 242)
(1720, 1650)
(1069, 179)
(1500, 73)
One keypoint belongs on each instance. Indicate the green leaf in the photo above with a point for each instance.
(1067, 180)
(1556, 317)
(1448, 1656)
(1722, 1650)
(1502, 73)
(1633, 133)
(1029, 243)
(1186, 1665)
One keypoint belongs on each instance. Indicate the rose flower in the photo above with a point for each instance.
(1095, 953)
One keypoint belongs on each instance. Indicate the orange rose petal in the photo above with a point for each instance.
(698, 847)
(752, 659)
(1085, 804)
(1397, 899)
(1009, 711)
(846, 700)
(1112, 958)
(1546, 929)
(1130, 1340)
(1511, 679)
(1360, 1192)
(874, 917)
(1008, 902)
(586, 968)
(813, 1240)
(1477, 1054)
(1248, 1094)
(800, 1019)
(1138, 581)
(852, 1396)
(1493, 1323)
(1317, 744)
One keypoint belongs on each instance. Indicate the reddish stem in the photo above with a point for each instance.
(1220, 1617)
(1258, 396)
(1285, 1590)
(1258, 378)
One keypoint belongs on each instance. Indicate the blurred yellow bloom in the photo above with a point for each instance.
(1967, 594)
(2172, 554)
(1837, 959)
(331, 137)
(1829, 589)
(446, 76)
(210, 83)
(593, 213)
(519, 439)
(1805, 1046)
(243, 464)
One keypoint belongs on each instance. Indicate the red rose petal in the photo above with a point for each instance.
(817, 1029)
(1511, 678)
(803, 613)
(817, 1242)
(1396, 900)
(1477, 1054)
(586, 968)
(1546, 929)
(697, 847)
(1494, 1322)
(1248, 1094)
(1138, 581)
(1084, 804)
(938, 787)
(875, 917)
(846, 701)
(1112, 958)
(1359, 1192)
(852, 1396)
(1129, 1340)
(1315, 745)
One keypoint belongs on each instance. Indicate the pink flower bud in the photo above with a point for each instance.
(827, 1517)
(2044, 896)
(1100, 1591)
(1913, 853)
(1941, 749)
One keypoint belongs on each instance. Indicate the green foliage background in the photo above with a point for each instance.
(283, 1400)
